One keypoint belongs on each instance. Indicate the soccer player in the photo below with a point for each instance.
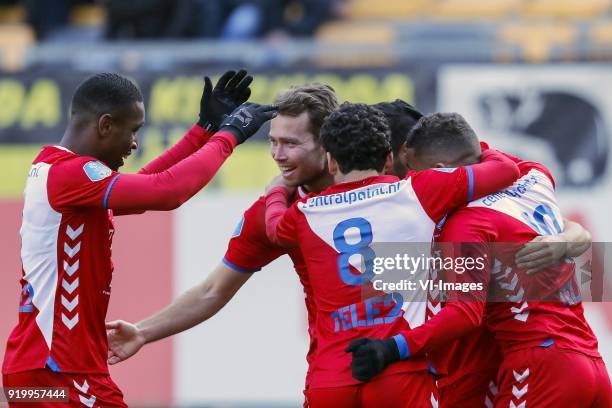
(71, 194)
(537, 320)
(364, 208)
(296, 148)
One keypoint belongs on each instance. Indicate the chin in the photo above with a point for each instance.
(293, 181)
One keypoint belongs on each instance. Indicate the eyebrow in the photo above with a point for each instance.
(287, 139)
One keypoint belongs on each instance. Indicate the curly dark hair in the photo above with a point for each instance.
(445, 136)
(401, 117)
(106, 92)
(357, 136)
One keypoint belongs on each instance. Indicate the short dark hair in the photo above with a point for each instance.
(104, 93)
(319, 100)
(357, 136)
(446, 136)
(401, 117)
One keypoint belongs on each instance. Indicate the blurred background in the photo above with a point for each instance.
(533, 77)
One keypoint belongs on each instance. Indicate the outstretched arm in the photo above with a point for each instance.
(231, 90)
(193, 307)
(493, 173)
(441, 191)
(134, 193)
(194, 139)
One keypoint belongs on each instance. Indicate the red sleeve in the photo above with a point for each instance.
(79, 182)
(464, 237)
(454, 320)
(280, 220)
(441, 191)
(193, 140)
(524, 166)
(135, 193)
(249, 249)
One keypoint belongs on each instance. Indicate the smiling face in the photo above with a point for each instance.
(299, 156)
(118, 134)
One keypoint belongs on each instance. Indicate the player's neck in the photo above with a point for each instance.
(355, 175)
(319, 184)
(76, 140)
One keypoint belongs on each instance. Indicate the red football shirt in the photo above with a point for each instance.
(507, 218)
(66, 239)
(343, 221)
(66, 236)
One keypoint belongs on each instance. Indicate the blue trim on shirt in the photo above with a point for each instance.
(470, 173)
(108, 189)
(442, 221)
(239, 269)
(431, 368)
(547, 343)
(53, 365)
(402, 346)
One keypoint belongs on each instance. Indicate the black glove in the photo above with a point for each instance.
(246, 120)
(371, 356)
(231, 90)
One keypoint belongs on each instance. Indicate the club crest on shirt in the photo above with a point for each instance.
(96, 171)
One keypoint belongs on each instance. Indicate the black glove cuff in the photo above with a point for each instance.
(208, 125)
(391, 351)
(240, 137)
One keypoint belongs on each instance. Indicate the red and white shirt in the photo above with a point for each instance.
(507, 218)
(348, 218)
(66, 237)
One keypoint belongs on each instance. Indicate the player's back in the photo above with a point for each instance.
(528, 310)
(66, 266)
(336, 232)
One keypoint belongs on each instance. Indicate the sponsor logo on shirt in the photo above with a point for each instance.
(34, 170)
(518, 190)
(353, 196)
(96, 171)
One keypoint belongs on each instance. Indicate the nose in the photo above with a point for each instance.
(278, 153)
(134, 144)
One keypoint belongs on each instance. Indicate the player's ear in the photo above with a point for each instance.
(406, 154)
(332, 164)
(105, 125)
